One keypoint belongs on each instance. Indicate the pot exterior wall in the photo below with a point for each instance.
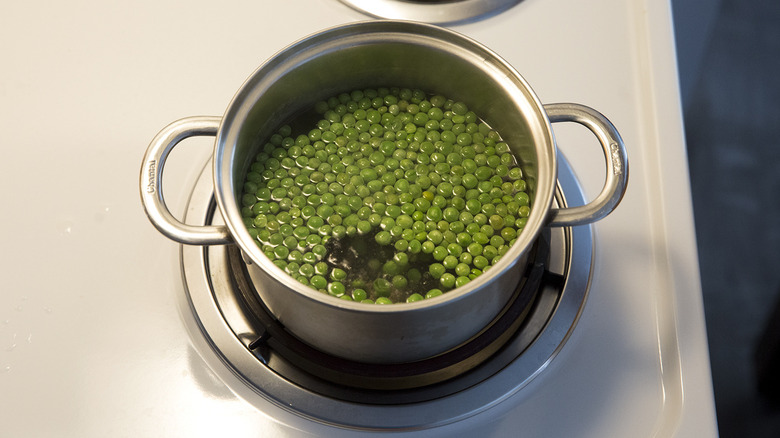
(387, 333)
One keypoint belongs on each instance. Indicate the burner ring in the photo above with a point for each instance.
(442, 12)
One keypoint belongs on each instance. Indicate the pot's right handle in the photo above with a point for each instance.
(614, 153)
(151, 183)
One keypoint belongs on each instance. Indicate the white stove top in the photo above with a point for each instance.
(92, 342)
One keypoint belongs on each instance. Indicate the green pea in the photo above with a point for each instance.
(434, 213)
(480, 238)
(435, 236)
(524, 211)
(521, 222)
(522, 198)
(463, 239)
(464, 139)
(306, 269)
(403, 221)
(363, 227)
(336, 288)
(473, 206)
(433, 293)
(436, 270)
(449, 237)
(450, 262)
(319, 251)
(325, 231)
(489, 252)
(508, 233)
(309, 257)
(447, 280)
(374, 264)
(496, 221)
(374, 219)
(487, 230)
(301, 232)
(450, 214)
(399, 282)
(338, 274)
(382, 287)
(281, 252)
(515, 173)
(318, 282)
(483, 173)
(461, 281)
(339, 231)
(295, 256)
(390, 267)
(439, 201)
(359, 295)
(414, 298)
(489, 210)
(393, 211)
(439, 253)
(291, 242)
(383, 238)
(462, 269)
(454, 249)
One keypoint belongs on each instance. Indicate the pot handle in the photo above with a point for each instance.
(614, 153)
(151, 183)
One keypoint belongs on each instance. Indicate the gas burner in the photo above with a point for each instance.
(391, 383)
(432, 11)
(495, 363)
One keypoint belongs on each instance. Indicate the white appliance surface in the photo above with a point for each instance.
(92, 339)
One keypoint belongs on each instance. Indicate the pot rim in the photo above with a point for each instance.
(284, 60)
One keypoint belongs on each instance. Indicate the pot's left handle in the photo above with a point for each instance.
(151, 183)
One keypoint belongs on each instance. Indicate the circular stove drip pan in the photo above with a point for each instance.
(489, 368)
(432, 11)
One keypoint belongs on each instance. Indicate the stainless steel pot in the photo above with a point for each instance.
(383, 54)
